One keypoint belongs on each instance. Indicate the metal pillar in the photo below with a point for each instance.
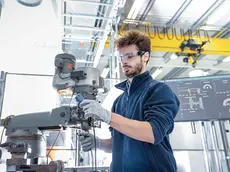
(216, 147)
(2, 89)
(113, 62)
(112, 58)
(77, 147)
(116, 55)
(205, 147)
(225, 143)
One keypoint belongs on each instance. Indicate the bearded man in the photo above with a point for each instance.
(141, 118)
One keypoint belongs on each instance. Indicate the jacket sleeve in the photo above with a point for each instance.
(113, 109)
(160, 110)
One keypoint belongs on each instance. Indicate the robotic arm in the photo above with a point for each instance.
(25, 132)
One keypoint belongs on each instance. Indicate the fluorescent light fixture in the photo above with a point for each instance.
(135, 9)
(105, 72)
(219, 13)
(156, 73)
(100, 49)
(197, 72)
(227, 59)
(174, 56)
(82, 61)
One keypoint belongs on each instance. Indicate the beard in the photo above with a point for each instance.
(133, 71)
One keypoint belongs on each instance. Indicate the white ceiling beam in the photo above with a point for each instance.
(112, 14)
(137, 4)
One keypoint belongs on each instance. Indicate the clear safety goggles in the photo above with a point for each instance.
(129, 56)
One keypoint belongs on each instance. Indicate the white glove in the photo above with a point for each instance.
(87, 141)
(93, 109)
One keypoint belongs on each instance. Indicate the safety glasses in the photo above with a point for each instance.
(130, 55)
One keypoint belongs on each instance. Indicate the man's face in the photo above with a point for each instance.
(132, 62)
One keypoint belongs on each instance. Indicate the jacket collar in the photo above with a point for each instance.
(137, 80)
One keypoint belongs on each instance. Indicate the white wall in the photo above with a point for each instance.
(29, 38)
(29, 41)
(25, 94)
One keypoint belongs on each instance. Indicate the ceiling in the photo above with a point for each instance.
(34, 35)
(210, 15)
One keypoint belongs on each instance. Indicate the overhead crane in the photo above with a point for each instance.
(189, 44)
(172, 42)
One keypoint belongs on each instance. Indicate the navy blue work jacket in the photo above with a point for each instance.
(145, 100)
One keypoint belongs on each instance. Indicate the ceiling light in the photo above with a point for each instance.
(227, 59)
(156, 73)
(197, 72)
(173, 56)
(83, 61)
(30, 3)
(135, 9)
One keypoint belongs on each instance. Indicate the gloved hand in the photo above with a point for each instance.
(95, 110)
(87, 141)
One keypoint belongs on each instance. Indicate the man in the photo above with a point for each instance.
(141, 118)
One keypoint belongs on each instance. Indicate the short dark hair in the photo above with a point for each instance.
(134, 37)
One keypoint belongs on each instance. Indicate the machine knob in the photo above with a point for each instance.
(59, 164)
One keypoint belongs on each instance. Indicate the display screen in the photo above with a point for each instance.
(202, 98)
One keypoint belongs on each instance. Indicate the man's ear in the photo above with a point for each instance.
(146, 57)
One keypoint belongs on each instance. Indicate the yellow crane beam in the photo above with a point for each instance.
(171, 43)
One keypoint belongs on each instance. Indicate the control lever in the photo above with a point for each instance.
(79, 98)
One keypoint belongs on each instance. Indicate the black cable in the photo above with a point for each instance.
(5, 124)
(190, 33)
(181, 34)
(3, 130)
(206, 33)
(158, 33)
(167, 34)
(71, 97)
(92, 159)
(52, 146)
(149, 33)
(59, 130)
(95, 148)
(73, 93)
